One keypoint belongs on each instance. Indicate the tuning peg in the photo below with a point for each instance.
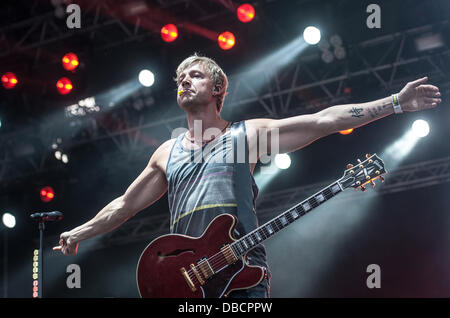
(363, 188)
(349, 166)
(359, 161)
(382, 179)
(368, 155)
(372, 183)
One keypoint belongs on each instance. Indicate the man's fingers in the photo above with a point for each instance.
(430, 88)
(57, 248)
(432, 105)
(419, 81)
(429, 100)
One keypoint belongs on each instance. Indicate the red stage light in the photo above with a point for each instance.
(47, 194)
(64, 86)
(9, 80)
(169, 32)
(70, 61)
(226, 40)
(245, 12)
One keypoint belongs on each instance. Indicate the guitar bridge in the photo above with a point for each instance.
(188, 279)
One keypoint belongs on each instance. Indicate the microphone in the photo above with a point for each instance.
(47, 216)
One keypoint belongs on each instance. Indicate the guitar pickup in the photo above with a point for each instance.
(205, 268)
(228, 253)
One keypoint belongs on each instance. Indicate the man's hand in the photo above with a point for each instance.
(417, 96)
(65, 245)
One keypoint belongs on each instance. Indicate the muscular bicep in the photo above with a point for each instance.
(148, 187)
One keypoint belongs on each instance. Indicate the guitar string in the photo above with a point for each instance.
(214, 262)
(217, 264)
(276, 223)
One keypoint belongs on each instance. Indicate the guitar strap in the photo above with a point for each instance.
(247, 220)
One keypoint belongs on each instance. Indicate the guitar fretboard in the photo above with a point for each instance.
(270, 228)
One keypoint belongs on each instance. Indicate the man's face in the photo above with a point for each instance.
(197, 88)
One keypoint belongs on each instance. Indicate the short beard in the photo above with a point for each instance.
(193, 105)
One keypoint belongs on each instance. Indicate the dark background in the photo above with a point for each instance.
(326, 254)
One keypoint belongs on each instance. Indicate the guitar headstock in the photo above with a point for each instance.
(362, 173)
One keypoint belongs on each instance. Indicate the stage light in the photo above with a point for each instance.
(35, 273)
(9, 80)
(58, 154)
(70, 61)
(82, 108)
(9, 220)
(340, 53)
(64, 158)
(282, 160)
(429, 42)
(47, 194)
(327, 56)
(64, 86)
(420, 128)
(169, 32)
(146, 78)
(311, 35)
(346, 132)
(226, 40)
(245, 12)
(336, 40)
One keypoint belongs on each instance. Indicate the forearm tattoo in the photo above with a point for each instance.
(356, 112)
(375, 112)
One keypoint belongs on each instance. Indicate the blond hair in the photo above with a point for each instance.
(216, 74)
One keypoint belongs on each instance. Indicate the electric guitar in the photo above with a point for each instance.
(214, 264)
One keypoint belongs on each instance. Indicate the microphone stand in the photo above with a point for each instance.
(41, 218)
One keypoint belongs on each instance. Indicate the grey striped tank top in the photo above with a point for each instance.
(201, 187)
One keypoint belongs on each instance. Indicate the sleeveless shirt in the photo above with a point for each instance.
(201, 186)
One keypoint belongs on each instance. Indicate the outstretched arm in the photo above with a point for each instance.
(299, 131)
(148, 187)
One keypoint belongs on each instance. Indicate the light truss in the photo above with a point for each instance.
(104, 22)
(278, 98)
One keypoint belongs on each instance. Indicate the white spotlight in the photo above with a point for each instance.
(420, 128)
(311, 35)
(58, 154)
(64, 158)
(282, 160)
(146, 78)
(9, 220)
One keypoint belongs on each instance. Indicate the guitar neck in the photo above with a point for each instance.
(270, 228)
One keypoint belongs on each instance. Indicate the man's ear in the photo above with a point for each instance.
(217, 90)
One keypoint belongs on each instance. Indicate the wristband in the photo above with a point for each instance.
(397, 108)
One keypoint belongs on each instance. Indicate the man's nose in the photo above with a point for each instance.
(186, 82)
